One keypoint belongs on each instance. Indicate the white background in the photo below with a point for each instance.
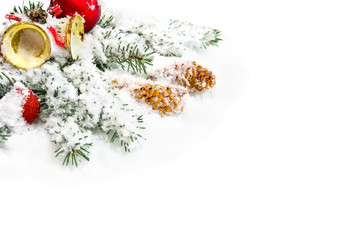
(274, 156)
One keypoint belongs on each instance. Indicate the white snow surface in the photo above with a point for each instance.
(271, 153)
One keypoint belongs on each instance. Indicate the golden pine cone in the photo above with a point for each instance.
(38, 15)
(192, 76)
(164, 99)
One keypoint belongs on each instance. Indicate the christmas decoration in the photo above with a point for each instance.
(105, 82)
(25, 10)
(31, 107)
(88, 9)
(74, 35)
(12, 17)
(57, 37)
(38, 15)
(165, 99)
(18, 107)
(189, 75)
(26, 45)
(55, 11)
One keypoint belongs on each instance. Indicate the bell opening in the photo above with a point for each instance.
(28, 43)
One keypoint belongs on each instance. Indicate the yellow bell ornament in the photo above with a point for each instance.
(70, 35)
(26, 45)
(74, 35)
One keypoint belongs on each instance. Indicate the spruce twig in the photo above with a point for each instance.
(215, 40)
(6, 86)
(127, 57)
(25, 9)
(11, 80)
(75, 155)
(105, 21)
(4, 134)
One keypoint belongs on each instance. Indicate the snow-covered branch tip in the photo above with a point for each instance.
(75, 155)
(106, 21)
(214, 40)
(5, 85)
(4, 134)
(128, 57)
(73, 146)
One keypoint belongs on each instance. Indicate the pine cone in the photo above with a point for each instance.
(189, 75)
(38, 15)
(164, 99)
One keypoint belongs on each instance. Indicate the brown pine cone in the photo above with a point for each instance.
(38, 15)
(164, 99)
(189, 75)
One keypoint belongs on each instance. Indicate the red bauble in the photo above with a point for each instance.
(89, 9)
(31, 107)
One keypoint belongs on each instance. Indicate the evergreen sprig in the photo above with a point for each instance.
(115, 136)
(128, 57)
(78, 151)
(75, 155)
(215, 40)
(5, 87)
(125, 142)
(4, 134)
(105, 21)
(25, 9)
(4, 75)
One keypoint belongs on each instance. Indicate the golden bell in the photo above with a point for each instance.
(74, 35)
(70, 35)
(26, 45)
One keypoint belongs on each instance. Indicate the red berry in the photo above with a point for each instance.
(89, 9)
(31, 108)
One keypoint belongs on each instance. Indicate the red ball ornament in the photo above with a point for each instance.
(90, 10)
(31, 107)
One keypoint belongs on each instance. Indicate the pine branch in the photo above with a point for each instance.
(26, 9)
(159, 43)
(4, 134)
(67, 130)
(105, 21)
(75, 155)
(5, 76)
(214, 40)
(72, 154)
(128, 57)
(202, 36)
(115, 137)
(5, 87)
(132, 58)
(125, 142)
(127, 135)
(170, 40)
